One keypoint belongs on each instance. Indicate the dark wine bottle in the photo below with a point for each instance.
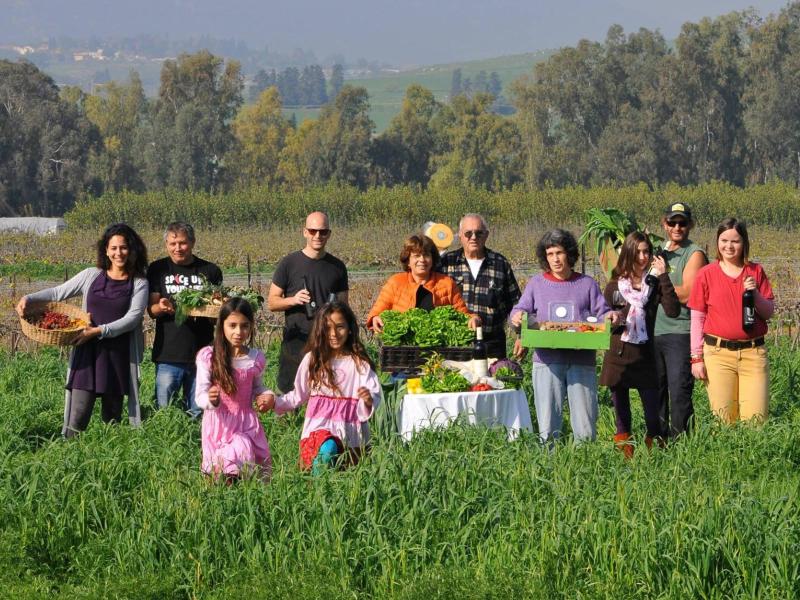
(651, 279)
(748, 309)
(311, 306)
(480, 363)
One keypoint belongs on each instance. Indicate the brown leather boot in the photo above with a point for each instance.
(624, 445)
(648, 441)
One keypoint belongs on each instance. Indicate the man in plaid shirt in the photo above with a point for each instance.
(486, 280)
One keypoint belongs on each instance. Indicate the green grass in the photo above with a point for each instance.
(40, 269)
(123, 513)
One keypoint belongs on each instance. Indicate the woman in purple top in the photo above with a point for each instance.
(560, 294)
(105, 360)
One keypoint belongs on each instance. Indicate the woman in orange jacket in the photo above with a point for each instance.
(418, 286)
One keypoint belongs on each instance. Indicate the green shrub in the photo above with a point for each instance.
(774, 204)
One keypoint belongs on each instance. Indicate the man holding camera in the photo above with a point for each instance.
(302, 281)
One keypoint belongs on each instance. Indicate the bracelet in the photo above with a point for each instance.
(696, 359)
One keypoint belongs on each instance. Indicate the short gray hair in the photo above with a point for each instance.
(557, 237)
(180, 227)
(484, 225)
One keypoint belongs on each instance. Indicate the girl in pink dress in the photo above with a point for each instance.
(228, 382)
(338, 381)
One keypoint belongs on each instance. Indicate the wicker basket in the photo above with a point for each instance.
(210, 311)
(51, 337)
(407, 360)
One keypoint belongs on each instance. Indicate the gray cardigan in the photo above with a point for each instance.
(131, 321)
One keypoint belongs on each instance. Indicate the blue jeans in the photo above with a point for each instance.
(579, 384)
(170, 378)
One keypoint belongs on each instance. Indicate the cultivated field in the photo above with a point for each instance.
(123, 513)
(29, 263)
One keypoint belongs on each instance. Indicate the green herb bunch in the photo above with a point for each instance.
(189, 299)
(510, 379)
(443, 326)
(438, 379)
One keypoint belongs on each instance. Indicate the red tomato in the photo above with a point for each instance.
(481, 387)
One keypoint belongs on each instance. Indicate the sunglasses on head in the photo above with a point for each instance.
(477, 234)
(677, 223)
(321, 232)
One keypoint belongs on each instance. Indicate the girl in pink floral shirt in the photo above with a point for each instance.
(337, 380)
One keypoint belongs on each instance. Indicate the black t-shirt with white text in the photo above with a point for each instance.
(175, 344)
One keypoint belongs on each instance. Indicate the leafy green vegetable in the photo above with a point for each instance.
(512, 367)
(504, 372)
(607, 224)
(446, 382)
(443, 326)
(189, 299)
(395, 327)
(510, 379)
(438, 379)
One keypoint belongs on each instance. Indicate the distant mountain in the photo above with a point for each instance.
(402, 33)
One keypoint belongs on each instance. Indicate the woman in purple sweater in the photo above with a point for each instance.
(561, 294)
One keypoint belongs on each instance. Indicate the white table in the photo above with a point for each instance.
(508, 408)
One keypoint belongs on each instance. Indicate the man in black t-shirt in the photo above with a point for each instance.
(305, 277)
(175, 347)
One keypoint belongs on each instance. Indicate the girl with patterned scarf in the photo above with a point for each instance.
(629, 363)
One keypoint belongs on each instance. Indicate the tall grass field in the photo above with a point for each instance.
(458, 513)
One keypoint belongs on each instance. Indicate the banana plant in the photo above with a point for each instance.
(608, 227)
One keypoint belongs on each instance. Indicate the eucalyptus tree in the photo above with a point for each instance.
(771, 100)
(45, 144)
(188, 132)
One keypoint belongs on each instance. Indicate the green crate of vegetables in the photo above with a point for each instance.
(566, 335)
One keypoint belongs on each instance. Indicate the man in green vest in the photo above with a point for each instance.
(675, 380)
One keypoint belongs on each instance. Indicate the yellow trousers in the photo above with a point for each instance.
(738, 383)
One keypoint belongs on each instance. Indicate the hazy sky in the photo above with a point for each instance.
(400, 32)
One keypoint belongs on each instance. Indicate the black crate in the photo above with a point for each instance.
(407, 360)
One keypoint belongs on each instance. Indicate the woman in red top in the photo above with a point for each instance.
(731, 359)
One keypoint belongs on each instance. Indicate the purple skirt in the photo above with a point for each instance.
(103, 366)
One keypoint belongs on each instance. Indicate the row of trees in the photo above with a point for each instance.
(483, 83)
(299, 88)
(197, 135)
(721, 105)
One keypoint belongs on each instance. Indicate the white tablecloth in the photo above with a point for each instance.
(501, 407)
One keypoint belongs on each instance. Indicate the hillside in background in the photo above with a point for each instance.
(386, 91)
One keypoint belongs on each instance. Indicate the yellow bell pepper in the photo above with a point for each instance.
(414, 386)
